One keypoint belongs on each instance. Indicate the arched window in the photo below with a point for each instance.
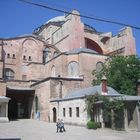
(53, 74)
(70, 112)
(9, 74)
(30, 58)
(73, 69)
(46, 54)
(8, 55)
(99, 66)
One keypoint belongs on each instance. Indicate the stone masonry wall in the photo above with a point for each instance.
(74, 119)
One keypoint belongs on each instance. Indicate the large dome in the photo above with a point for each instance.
(57, 19)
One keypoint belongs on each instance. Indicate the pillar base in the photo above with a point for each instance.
(4, 119)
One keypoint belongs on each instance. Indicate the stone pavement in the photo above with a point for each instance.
(39, 130)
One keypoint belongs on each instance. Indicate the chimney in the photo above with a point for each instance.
(104, 85)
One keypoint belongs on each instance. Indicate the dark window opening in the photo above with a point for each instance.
(14, 56)
(8, 55)
(64, 112)
(36, 104)
(77, 112)
(30, 58)
(24, 57)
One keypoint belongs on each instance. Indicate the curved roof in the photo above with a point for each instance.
(56, 19)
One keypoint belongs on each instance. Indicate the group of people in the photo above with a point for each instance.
(60, 125)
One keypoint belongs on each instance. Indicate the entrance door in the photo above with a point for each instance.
(54, 114)
(20, 105)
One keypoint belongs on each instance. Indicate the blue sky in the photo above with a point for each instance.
(18, 18)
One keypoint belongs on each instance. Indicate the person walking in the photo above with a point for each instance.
(62, 128)
(58, 125)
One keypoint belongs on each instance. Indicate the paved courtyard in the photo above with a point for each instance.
(39, 130)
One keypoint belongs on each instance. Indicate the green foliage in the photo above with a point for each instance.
(93, 125)
(90, 102)
(107, 104)
(122, 73)
(98, 124)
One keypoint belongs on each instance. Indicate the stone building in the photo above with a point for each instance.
(73, 108)
(56, 59)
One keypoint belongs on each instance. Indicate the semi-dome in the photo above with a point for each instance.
(57, 19)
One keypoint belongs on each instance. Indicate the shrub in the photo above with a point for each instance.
(98, 125)
(93, 125)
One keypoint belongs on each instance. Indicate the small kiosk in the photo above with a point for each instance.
(4, 109)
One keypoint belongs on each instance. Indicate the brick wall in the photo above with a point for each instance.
(2, 88)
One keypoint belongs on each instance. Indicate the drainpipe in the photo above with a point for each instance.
(103, 92)
(60, 88)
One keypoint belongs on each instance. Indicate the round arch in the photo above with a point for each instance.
(30, 40)
(90, 44)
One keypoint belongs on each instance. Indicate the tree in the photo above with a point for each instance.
(122, 73)
(108, 105)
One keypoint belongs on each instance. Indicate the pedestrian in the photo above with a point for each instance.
(58, 125)
(62, 128)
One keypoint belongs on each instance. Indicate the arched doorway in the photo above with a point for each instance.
(54, 114)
